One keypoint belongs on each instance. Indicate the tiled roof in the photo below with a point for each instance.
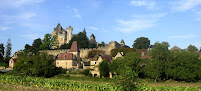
(65, 56)
(74, 47)
(107, 58)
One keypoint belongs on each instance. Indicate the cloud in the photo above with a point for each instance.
(93, 28)
(151, 5)
(188, 36)
(75, 10)
(77, 16)
(31, 36)
(26, 15)
(184, 5)
(138, 22)
(17, 3)
(4, 28)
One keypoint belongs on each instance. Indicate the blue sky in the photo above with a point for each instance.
(175, 21)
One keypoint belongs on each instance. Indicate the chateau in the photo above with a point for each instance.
(64, 36)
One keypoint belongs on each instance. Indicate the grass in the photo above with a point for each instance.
(86, 79)
(10, 87)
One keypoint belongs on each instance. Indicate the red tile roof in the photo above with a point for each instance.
(65, 56)
(74, 47)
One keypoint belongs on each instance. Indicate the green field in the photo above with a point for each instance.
(18, 83)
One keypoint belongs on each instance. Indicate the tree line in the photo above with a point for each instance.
(5, 54)
(160, 65)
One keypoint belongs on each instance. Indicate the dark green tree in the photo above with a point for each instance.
(46, 42)
(141, 43)
(55, 42)
(82, 40)
(192, 48)
(27, 48)
(183, 66)
(2, 53)
(8, 48)
(156, 67)
(65, 46)
(103, 43)
(103, 68)
(36, 45)
(35, 65)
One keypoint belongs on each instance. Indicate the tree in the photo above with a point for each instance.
(46, 42)
(8, 48)
(55, 42)
(183, 66)
(36, 65)
(82, 40)
(156, 67)
(103, 43)
(103, 68)
(27, 48)
(192, 48)
(1, 53)
(141, 43)
(200, 49)
(36, 45)
(65, 46)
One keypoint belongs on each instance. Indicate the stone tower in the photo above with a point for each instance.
(92, 39)
(69, 33)
(122, 42)
(61, 34)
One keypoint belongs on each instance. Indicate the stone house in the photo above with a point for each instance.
(95, 72)
(69, 59)
(13, 60)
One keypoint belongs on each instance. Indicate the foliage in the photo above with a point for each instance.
(103, 68)
(27, 48)
(36, 65)
(55, 42)
(92, 45)
(124, 50)
(82, 40)
(93, 53)
(8, 48)
(192, 48)
(156, 67)
(56, 84)
(128, 80)
(141, 43)
(36, 45)
(65, 46)
(86, 72)
(1, 53)
(46, 42)
(132, 60)
(183, 65)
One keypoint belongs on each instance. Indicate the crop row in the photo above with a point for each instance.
(71, 85)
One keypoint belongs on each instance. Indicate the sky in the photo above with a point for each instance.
(177, 22)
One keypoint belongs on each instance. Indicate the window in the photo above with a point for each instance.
(94, 62)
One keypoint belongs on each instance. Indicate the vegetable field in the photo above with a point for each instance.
(70, 85)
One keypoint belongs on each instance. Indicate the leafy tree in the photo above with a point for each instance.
(8, 48)
(200, 49)
(128, 79)
(183, 65)
(141, 43)
(156, 67)
(103, 43)
(27, 48)
(36, 45)
(55, 42)
(35, 65)
(46, 42)
(132, 60)
(65, 46)
(92, 45)
(192, 48)
(103, 68)
(82, 40)
(1, 53)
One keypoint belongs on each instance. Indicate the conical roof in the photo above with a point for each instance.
(92, 35)
(122, 42)
(84, 31)
(74, 47)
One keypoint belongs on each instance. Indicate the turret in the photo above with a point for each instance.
(69, 33)
(122, 42)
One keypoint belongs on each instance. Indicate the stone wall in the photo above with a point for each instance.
(84, 51)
